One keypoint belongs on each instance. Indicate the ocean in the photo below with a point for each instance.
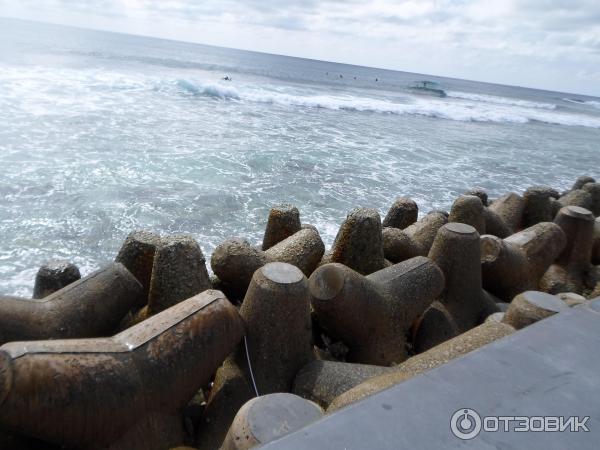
(104, 133)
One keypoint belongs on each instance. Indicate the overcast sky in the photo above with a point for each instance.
(552, 44)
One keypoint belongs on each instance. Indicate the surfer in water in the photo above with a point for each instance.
(226, 78)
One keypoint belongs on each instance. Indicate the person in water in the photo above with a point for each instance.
(227, 78)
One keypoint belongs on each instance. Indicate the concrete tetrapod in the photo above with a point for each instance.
(415, 240)
(594, 190)
(582, 181)
(322, 381)
(92, 306)
(479, 192)
(435, 326)
(284, 221)
(178, 272)
(568, 272)
(359, 242)
(94, 392)
(137, 255)
(470, 210)
(517, 263)
(403, 213)
(577, 197)
(441, 354)
(456, 250)
(571, 299)
(231, 388)
(532, 306)
(538, 205)
(509, 208)
(596, 243)
(235, 260)
(373, 314)
(276, 311)
(53, 276)
(269, 417)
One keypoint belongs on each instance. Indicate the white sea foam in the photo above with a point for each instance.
(209, 89)
(593, 103)
(499, 100)
(95, 88)
(508, 111)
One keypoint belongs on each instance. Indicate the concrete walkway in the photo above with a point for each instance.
(551, 368)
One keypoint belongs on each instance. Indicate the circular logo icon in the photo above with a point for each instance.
(465, 424)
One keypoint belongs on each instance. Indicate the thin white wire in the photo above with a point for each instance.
(250, 366)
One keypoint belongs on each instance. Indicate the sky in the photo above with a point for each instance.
(547, 44)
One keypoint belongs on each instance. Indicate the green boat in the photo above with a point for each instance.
(428, 87)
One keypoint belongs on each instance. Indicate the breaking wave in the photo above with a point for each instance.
(209, 89)
(495, 109)
(499, 100)
(593, 103)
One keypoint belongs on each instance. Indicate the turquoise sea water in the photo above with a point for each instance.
(102, 133)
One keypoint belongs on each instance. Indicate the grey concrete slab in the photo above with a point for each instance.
(551, 368)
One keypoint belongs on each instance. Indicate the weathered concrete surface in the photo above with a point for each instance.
(403, 213)
(479, 192)
(415, 240)
(568, 273)
(90, 393)
(435, 357)
(53, 276)
(322, 381)
(284, 221)
(178, 272)
(538, 206)
(359, 243)
(554, 378)
(532, 306)
(235, 260)
(266, 418)
(456, 250)
(372, 314)
(276, 311)
(509, 208)
(594, 190)
(517, 263)
(469, 210)
(92, 306)
(137, 255)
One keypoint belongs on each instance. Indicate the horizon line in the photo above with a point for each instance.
(192, 42)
